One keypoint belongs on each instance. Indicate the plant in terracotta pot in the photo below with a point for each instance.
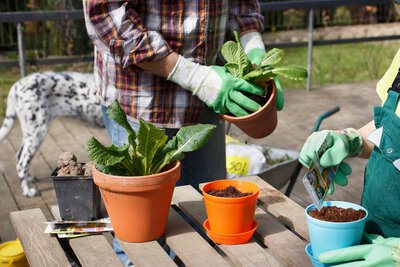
(262, 122)
(337, 225)
(230, 207)
(137, 179)
(78, 198)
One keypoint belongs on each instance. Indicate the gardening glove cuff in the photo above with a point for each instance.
(198, 79)
(253, 46)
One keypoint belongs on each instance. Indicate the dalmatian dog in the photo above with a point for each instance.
(39, 98)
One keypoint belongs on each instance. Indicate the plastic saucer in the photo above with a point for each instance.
(230, 239)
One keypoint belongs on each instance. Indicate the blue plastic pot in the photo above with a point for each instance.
(314, 260)
(326, 236)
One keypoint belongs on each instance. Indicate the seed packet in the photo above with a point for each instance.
(317, 180)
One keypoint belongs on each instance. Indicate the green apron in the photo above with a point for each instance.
(381, 195)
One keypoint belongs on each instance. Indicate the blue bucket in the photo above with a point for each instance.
(314, 260)
(326, 236)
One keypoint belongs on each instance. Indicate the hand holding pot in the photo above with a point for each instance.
(215, 86)
(342, 144)
(377, 252)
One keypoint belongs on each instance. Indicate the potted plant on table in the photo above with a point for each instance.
(230, 207)
(263, 122)
(78, 198)
(137, 179)
(337, 225)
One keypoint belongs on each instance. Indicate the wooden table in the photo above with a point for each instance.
(279, 240)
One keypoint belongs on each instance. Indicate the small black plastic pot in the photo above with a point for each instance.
(78, 197)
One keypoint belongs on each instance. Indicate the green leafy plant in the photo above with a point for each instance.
(148, 150)
(240, 66)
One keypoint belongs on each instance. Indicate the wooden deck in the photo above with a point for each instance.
(295, 123)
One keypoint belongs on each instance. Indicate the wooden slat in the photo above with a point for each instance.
(283, 208)
(41, 249)
(280, 240)
(91, 250)
(190, 247)
(7, 204)
(146, 254)
(249, 254)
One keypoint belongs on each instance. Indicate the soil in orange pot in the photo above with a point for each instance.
(229, 191)
(336, 214)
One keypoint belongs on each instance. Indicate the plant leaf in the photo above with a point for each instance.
(272, 57)
(115, 112)
(252, 75)
(150, 140)
(106, 156)
(292, 72)
(233, 68)
(187, 139)
(229, 51)
(242, 59)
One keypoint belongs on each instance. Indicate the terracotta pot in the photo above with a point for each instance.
(138, 206)
(261, 123)
(230, 215)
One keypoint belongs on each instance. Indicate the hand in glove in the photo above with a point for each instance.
(342, 144)
(254, 48)
(216, 87)
(377, 252)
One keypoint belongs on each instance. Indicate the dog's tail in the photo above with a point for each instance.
(10, 114)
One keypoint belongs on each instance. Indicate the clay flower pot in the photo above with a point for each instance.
(326, 236)
(138, 206)
(261, 123)
(231, 215)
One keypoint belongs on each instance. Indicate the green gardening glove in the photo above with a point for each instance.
(216, 87)
(341, 145)
(377, 252)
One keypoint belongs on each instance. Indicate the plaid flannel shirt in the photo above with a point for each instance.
(129, 32)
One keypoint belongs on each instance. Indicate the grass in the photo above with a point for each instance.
(333, 64)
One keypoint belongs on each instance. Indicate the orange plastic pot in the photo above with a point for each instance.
(138, 206)
(230, 215)
(261, 123)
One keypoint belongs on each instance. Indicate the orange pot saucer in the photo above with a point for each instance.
(230, 239)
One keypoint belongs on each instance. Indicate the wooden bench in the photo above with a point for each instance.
(279, 240)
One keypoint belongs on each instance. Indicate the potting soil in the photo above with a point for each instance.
(336, 214)
(229, 191)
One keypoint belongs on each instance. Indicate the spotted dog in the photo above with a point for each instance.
(39, 98)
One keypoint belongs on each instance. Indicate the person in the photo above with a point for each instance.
(378, 141)
(158, 59)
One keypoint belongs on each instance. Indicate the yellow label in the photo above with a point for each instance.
(237, 165)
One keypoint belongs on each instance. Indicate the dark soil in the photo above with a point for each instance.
(336, 214)
(229, 191)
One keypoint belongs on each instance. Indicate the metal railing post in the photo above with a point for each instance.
(310, 46)
(21, 55)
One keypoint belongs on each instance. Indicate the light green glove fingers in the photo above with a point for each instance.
(309, 148)
(341, 177)
(345, 254)
(244, 101)
(280, 98)
(335, 154)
